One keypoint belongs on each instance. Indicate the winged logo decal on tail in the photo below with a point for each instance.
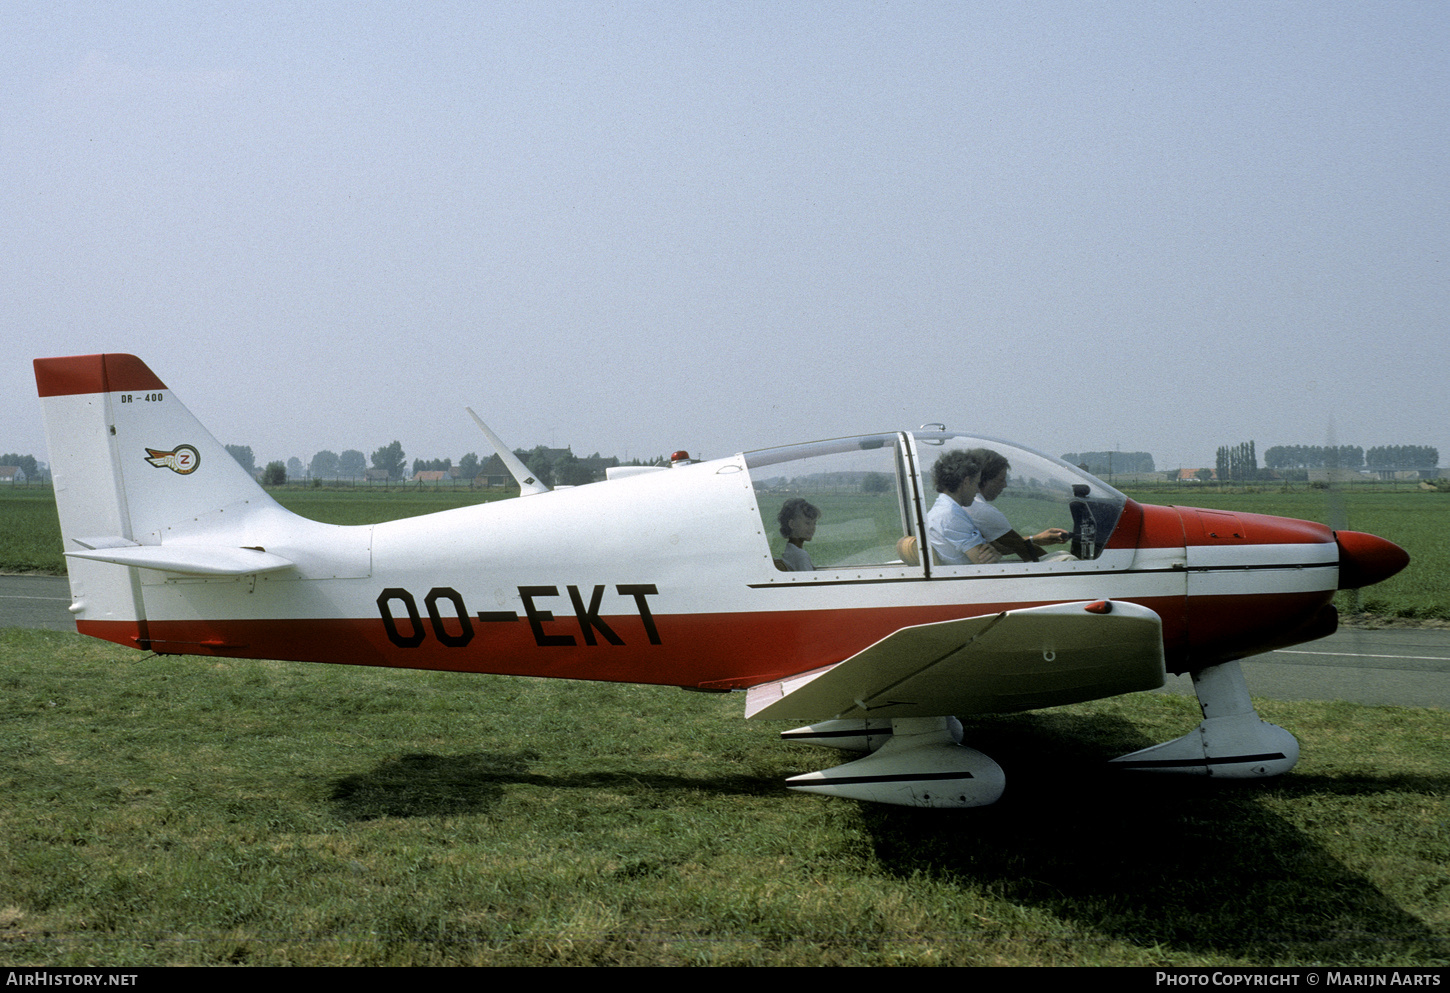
(183, 459)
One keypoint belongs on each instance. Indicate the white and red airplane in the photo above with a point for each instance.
(676, 576)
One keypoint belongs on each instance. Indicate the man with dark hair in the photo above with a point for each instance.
(950, 530)
(992, 522)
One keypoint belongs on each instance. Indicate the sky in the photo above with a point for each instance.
(632, 228)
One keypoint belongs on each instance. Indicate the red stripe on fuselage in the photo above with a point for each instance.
(721, 651)
(77, 374)
(717, 650)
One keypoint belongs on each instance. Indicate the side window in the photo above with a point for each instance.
(832, 505)
(1025, 494)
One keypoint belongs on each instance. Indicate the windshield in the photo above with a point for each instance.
(1042, 495)
(850, 503)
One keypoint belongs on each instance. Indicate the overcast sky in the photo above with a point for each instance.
(632, 227)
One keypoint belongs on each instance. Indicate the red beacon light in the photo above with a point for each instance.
(681, 457)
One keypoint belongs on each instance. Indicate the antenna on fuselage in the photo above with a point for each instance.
(528, 483)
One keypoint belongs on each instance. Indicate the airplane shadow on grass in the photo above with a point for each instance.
(440, 786)
(1190, 864)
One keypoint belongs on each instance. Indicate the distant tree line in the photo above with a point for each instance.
(561, 467)
(1402, 457)
(1104, 463)
(432, 465)
(330, 465)
(1237, 462)
(1385, 457)
(1314, 457)
(324, 465)
(552, 466)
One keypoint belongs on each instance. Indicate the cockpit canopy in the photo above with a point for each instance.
(868, 498)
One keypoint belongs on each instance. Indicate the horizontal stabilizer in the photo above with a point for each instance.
(1014, 660)
(189, 560)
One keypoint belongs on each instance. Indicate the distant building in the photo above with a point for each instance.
(432, 476)
(492, 474)
(11, 474)
(1390, 475)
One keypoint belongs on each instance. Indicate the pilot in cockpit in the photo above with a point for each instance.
(953, 535)
(993, 523)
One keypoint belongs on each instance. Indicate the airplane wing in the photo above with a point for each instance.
(1014, 660)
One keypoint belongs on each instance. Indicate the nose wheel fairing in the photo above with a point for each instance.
(1231, 742)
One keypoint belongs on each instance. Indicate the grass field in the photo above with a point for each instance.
(29, 532)
(208, 812)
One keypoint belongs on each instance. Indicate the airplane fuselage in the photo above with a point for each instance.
(666, 580)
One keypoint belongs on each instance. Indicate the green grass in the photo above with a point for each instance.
(207, 812)
(29, 531)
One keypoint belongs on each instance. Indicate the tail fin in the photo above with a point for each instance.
(134, 470)
(160, 523)
(129, 461)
